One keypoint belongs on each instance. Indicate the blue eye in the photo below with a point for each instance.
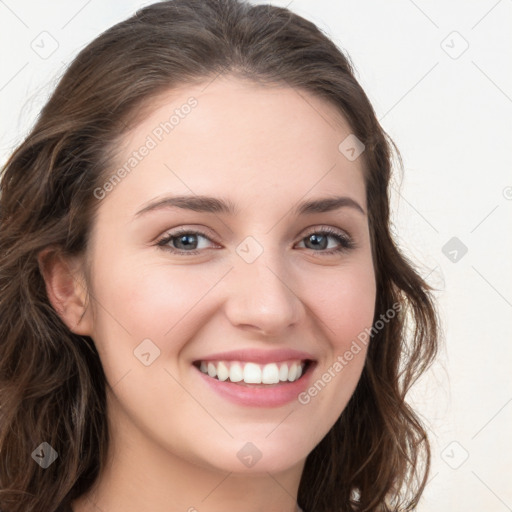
(186, 238)
(186, 242)
(345, 243)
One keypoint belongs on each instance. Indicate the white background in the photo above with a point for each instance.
(450, 112)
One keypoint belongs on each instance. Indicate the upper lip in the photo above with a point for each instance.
(259, 356)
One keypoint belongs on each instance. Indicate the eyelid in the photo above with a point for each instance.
(329, 229)
(186, 228)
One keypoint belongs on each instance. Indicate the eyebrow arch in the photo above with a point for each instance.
(214, 205)
(327, 204)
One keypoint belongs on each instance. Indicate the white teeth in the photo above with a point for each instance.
(253, 373)
(292, 372)
(270, 374)
(236, 374)
(222, 371)
(212, 371)
(283, 372)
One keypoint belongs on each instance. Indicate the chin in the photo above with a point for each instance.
(257, 455)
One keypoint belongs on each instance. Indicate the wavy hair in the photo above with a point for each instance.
(376, 457)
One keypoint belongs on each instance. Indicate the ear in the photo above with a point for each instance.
(66, 289)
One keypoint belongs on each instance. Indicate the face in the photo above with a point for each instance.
(250, 284)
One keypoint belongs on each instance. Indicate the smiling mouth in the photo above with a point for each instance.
(252, 374)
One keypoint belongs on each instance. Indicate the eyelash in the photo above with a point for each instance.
(346, 243)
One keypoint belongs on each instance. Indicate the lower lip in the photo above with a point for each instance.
(272, 396)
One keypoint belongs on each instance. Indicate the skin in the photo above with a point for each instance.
(174, 441)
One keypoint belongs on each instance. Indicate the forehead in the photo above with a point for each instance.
(230, 135)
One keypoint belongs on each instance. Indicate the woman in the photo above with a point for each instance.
(202, 306)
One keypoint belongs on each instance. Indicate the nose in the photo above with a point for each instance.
(261, 296)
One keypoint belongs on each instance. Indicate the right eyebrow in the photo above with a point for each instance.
(195, 203)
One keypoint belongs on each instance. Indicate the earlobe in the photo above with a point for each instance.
(66, 289)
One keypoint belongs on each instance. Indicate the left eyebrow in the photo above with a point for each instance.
(209, 204)
(327, 204)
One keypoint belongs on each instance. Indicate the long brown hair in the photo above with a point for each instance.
(52, 386)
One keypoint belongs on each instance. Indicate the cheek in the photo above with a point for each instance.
(344, 302)
(138, 300)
